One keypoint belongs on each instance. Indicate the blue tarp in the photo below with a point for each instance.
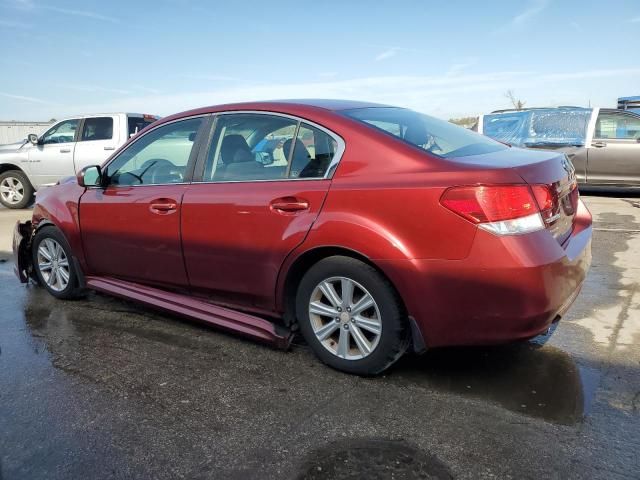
(540, 126)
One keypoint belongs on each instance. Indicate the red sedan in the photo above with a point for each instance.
(370, 229)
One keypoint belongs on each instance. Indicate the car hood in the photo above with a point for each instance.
(11, 147)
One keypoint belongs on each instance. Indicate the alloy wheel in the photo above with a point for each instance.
(12, 190)
(53, 264)
(345, 318)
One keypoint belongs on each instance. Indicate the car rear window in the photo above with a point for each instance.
(540, 127)
(136, 124)
(438, 137)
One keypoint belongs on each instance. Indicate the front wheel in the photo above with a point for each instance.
(53, 264)
(15, 189)
(351, 316)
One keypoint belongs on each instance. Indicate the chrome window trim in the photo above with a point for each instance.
(137, 138)
(330, 169)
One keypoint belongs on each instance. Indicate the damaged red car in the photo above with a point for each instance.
(370, 229)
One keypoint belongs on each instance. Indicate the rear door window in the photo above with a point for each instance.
(98, 128)
(313, 152)
(620, 126)
(136, 124)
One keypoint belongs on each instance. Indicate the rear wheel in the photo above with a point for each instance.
(351, 316)
(15, 189)
(53, 264)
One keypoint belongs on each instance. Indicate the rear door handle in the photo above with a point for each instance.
(109, 148)
(289, 205)
(65, 150)
(599, 144)
(163, 206)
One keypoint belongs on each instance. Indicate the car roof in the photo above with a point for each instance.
(293, 107)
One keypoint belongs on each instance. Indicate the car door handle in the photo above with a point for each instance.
(599, 144)
(65, 150)
(163, 207)
(109, 148)
(289, 205)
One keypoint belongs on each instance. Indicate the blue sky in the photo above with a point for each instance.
(448, 59)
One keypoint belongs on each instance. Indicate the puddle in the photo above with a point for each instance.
(372, 459)
(541, 382)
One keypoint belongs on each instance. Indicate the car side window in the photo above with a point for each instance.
(247, 147)
(613, 125)
(159, 157)
(99, 128)
(312, 153)
(63, 132)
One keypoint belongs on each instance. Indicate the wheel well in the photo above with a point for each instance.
(305, 262)
(5, 167)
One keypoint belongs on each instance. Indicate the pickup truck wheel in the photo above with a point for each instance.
(15, 189)
(53, 264)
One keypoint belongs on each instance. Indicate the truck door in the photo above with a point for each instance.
(52, 158)
(99, 137)
(614, 153)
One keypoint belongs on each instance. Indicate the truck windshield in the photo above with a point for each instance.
(136, 124)
(438, 137)
(539, 127)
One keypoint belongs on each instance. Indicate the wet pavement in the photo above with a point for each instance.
(101, 388)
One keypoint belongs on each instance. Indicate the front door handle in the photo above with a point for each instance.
(599, 144)
(109, 148)
(65, 150)
(163, 206)
(289, 205)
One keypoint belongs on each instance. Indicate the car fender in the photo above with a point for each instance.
(59, 206)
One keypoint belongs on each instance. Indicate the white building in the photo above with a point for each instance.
(11, 132)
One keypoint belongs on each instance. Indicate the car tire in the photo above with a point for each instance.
(60, 276)
(15, 189)
(374, 337)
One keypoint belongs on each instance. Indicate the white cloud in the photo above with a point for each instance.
(24, 98)
(80, 13)
(95, 89)
(388, 53)
(442, 95)
(535, 7)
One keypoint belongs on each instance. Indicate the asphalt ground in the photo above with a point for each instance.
(102, 388)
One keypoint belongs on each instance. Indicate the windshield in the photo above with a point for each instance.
(549, 126)
(435, 136)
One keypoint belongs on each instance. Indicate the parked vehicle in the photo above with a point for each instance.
(61, 151)
(602, 143)
(629, 103)
(395, 230)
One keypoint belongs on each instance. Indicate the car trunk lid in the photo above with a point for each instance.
(552, 178)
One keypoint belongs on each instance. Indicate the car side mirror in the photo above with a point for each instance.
(90, 176)
(33, 138)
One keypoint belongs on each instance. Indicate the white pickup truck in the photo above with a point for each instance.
(62, 151)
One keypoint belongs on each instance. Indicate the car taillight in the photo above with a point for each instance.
(547, 199)
(500, 209)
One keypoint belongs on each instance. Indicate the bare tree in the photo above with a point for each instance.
(516, 102)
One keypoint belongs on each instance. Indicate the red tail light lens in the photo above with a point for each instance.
(547, 199)
(499, 209)
(490, 203)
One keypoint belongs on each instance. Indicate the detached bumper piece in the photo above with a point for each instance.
(22, 267)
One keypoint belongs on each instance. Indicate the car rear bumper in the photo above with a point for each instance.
(21, 250)
(508, 288)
